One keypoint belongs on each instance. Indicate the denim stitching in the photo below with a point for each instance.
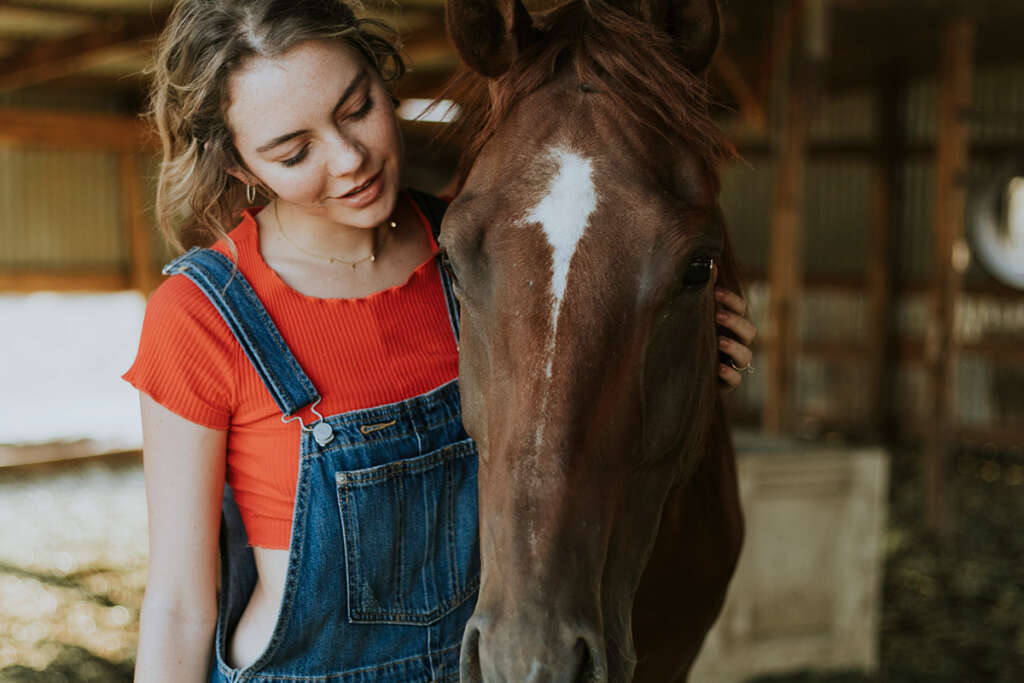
(377, 613)
(387, 470)
(401, 504)
(453, 574)
(348, 529)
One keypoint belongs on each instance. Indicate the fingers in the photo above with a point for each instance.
(732, 310)
(739, 353)
(730, 377)
(743, 328)
(731, 300)
(734, 319)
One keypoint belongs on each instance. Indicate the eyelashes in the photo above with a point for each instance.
(363, 110)
(291, 161)
(357, 115)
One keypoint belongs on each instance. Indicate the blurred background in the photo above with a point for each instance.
(878, 212)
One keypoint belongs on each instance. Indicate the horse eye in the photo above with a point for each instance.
(698, 272)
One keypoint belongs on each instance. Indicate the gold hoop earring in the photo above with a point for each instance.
(250, 194)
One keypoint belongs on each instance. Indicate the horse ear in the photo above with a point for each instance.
(695, 24)
(489, 34)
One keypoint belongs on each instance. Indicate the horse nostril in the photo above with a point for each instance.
(469, 659)
(591, 668)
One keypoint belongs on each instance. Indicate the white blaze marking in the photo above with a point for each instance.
(563, 214)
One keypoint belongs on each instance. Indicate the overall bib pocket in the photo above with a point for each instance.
(410, 535)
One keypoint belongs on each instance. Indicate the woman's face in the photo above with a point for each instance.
(316, 126)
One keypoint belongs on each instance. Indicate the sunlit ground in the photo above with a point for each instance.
(72, 570)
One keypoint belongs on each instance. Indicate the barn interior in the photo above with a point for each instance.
(876, 204)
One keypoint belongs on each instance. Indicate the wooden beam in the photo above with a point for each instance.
(67, 280)
(950, 194)
(884, 256)
(63, 451)
(55, 9)
(136, 225)
(786, 256)
(64, 130)
(46, 60)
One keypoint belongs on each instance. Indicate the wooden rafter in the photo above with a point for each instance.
(55, 9)
(71, 130)
(50, 59)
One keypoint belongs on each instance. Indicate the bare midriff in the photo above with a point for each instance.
(256, 626)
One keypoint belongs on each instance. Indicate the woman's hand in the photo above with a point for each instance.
(731, 311)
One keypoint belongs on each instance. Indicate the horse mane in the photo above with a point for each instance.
(635, 64)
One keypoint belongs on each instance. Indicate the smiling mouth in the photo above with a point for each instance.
(357, 190)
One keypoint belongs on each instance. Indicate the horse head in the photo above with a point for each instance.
(584, 245)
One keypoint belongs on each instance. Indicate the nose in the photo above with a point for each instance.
(346, 155)
(492, 654)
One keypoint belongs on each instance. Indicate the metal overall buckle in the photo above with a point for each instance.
(322, 432)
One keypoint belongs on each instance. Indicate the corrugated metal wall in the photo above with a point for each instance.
(837, 218)
(60, 209)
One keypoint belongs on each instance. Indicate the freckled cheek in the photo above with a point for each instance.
(298, 188)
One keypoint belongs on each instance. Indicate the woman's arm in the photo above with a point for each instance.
(184, 471)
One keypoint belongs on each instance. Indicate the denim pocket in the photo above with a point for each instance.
(410, 534)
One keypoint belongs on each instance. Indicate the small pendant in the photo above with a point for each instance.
(373, 258)
(323, 433)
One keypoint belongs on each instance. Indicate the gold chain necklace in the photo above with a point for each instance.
(371, 257)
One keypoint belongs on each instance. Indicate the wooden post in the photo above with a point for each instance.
(883, 265)
(785, 267)
(940, 345)
(136, 226)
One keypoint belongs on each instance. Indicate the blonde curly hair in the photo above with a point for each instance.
(203, 44)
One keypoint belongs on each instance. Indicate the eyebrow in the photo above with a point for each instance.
(281, 139)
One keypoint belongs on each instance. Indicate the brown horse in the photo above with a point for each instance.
(585, 243)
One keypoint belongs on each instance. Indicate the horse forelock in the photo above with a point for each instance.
(636, 65)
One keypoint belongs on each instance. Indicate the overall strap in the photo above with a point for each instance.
(232, 295)
(433, 208)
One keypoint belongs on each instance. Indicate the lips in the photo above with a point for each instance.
(356, 190)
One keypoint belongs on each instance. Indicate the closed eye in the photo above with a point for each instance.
(363, 110)
(298, 157)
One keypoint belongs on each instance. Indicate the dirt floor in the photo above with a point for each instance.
(952, 612)
(72, 570)
(73, 554)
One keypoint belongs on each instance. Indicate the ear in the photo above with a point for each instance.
(489, 34)
(243, 175)
(695, 24)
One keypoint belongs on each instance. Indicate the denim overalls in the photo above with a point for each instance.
(383, 565)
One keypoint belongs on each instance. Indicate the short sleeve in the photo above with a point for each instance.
(186, 359)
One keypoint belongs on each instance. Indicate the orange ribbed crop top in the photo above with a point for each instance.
(386, 347)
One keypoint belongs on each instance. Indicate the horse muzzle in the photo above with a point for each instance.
(527, 650)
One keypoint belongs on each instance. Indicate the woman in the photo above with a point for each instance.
(319, 322)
